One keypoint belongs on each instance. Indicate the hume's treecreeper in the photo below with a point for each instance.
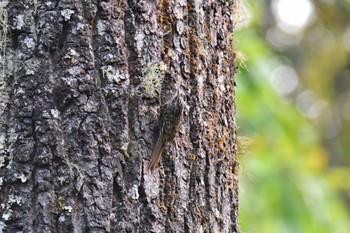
(170, 120)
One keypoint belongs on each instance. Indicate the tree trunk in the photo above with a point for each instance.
(82, 84)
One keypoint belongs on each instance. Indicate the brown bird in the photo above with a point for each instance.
(170, 120)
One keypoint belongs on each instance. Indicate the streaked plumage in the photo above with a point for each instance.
(170, 120)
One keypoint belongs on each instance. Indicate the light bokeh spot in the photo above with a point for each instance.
(284, 79)
(293, 16)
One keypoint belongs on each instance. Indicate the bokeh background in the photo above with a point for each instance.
(293, 113)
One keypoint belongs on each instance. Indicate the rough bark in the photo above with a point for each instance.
(81, 85)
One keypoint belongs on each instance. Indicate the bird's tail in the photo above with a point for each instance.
(156, 154)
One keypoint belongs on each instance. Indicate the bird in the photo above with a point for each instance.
(170, 120)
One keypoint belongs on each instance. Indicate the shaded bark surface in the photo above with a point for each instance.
(81, 86)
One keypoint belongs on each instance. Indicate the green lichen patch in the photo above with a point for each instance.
(151, 80)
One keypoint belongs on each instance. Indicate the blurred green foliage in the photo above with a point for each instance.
(294, 143)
